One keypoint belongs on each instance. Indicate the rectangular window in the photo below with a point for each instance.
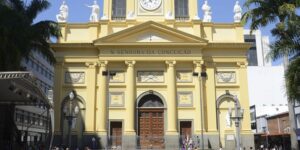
(252, 116)
(253, 126)
(181, 9)
(118, 9)
(298, 120)
(32, 64)
(252, 57)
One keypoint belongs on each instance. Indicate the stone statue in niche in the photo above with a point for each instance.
(95, 12)
(207, 12)
(237, 12)
(63, 12)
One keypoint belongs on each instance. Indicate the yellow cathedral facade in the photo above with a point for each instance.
(151, 75)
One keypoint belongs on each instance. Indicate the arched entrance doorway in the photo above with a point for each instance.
(77, 127)
(227, 131)
(151, 122)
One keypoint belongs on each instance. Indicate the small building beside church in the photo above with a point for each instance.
(150, 75)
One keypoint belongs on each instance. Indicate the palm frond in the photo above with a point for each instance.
(293, 80)
(47, 29)
(35, 7)
(16, 5)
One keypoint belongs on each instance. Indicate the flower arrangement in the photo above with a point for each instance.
(187, 143)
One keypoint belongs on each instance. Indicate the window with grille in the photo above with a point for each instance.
(118, 9)
(181, 9)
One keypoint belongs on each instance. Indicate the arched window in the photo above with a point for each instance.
(150, 100)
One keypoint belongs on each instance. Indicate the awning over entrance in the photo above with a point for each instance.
(20, 88)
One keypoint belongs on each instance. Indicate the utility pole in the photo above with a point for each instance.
(201, 77)
(108, 75)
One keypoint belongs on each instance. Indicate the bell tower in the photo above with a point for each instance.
(144, 10)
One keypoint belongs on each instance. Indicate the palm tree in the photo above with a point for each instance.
(286, 31)
(264, 12)
(20, 35)
(293, 79)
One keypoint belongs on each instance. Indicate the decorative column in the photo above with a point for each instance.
(130, 98)
(58, 81)
(91, 96)
(198, 97)
(102, 101)
(210, 96)
(244, 97)
(172, 100)
(129, 138)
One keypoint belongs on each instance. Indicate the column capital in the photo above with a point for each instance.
(91, 64)
(130, 63)
(171, 63)
(242, 64)
(198, 63)
(103, 63)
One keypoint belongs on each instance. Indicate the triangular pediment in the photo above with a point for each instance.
(150, 32)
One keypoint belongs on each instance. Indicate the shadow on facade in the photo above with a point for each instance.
(79, 138)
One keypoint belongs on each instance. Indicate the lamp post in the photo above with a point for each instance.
(70, 112)
(201, 76)
(107, 74)
(239, 113)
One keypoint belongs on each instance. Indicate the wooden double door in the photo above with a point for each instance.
(151, 128)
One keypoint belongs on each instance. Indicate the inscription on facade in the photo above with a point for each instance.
(226, 77)
(146, 52)
(74, 77)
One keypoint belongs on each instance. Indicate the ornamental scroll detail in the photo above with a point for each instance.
(150, 76)
(226, 77)
(184, 76)
(118, 78)
(74, 77)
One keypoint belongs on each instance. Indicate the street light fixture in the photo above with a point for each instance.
(239, 114)
(70, 112)
(201, 76)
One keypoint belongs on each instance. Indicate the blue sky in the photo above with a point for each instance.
(222, 11)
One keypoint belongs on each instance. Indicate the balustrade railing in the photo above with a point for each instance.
(118, 18)
(182, 18)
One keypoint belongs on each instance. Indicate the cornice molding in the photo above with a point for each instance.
(70, 45)
(229, 45)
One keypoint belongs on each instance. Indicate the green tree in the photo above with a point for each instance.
(20, 35)
(282, 13)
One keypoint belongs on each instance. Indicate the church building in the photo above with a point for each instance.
(151, 75)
